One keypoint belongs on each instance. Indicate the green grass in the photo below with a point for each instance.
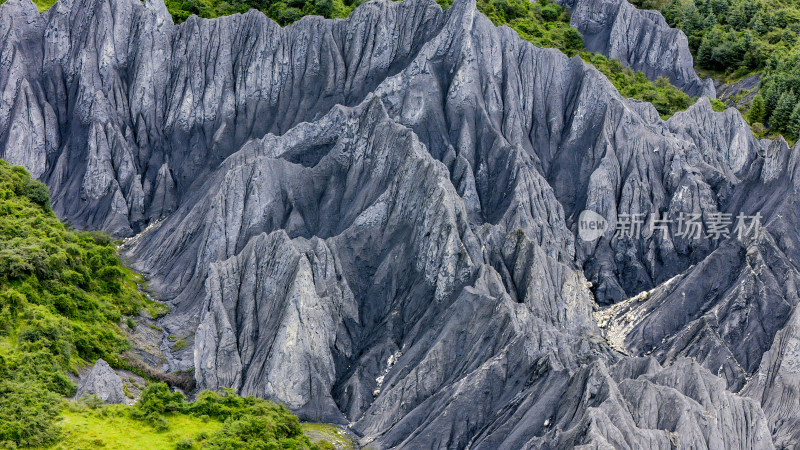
(113, 428)
(164, 420)
(319, 432)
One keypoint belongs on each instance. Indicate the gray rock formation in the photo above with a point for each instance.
(374, 221)
(103, 382)
(633, 403)
(639, 39)
(740, 93)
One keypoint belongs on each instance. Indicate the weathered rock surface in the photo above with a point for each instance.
(632, 403)
(103, 382)
(639, 39)
(374, 221)
(735, 312)
(740, 93)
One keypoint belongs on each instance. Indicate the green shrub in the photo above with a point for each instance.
(37, 192)
(718, 105)
(157, 399)
(757, 112)
(28, 414)
(92, 401)
(256, 431)
(185, 444)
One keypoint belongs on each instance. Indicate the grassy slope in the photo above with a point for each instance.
(319, 432)
(112, 428)
(163, 419)
(63, 295)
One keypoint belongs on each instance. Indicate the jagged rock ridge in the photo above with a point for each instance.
(373, 220)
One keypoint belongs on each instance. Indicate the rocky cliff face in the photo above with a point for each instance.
(375, 221)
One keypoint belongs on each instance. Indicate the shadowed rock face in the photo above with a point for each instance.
(374, 221)
(639, 39)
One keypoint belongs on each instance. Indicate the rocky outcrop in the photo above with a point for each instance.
(375, 221)
(739, 93)
(103, 382)
(639, 39)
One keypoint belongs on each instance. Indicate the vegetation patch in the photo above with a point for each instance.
(323, 434)
(740, 37)
(664, 96)
(284, 12)
(162, 419)
(113, 426)
(63, 294)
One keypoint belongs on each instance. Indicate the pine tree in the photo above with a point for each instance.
(793, 127)
(738, 18)
(783, 111)
(756, 113)
(705, 55)
(692, 20)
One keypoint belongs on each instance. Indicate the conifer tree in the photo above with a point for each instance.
(783, 111)
(756, 113)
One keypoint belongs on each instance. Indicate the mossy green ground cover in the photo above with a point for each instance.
(164, 420)
(113, 428)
